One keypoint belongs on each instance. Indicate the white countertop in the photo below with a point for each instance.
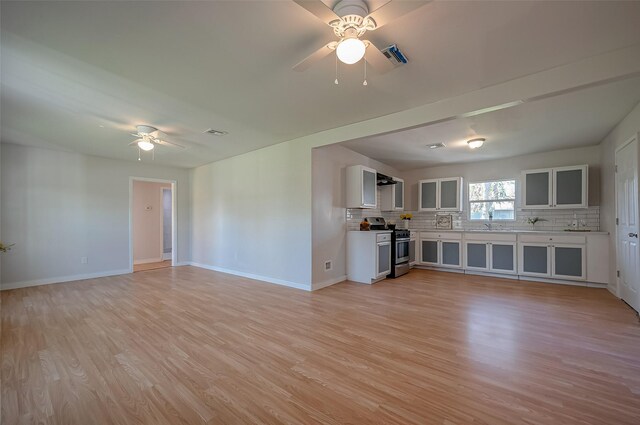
(371, 231)
(542, 232)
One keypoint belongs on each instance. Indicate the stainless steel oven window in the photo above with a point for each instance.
(402, 251)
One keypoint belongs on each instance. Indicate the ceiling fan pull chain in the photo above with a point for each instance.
(336, 81)
(364, 83)
(139, 159)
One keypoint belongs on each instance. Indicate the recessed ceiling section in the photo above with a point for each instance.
(580, 118)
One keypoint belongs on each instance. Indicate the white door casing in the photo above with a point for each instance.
(628, 252)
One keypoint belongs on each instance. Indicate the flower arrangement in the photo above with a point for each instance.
(5, 248)
(407, 216)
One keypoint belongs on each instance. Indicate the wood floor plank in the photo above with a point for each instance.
(187, 346)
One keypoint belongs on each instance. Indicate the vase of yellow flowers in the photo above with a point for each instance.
(406, 218)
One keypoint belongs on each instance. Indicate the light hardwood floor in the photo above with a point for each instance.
(188, 346)
(151, 266)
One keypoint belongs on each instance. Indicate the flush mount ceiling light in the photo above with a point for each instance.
(436, 145)
(476, 143)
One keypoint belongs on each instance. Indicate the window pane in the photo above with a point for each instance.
(505, 189)
(501, 210)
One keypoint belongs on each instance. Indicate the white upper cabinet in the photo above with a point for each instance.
(440, 194)
(562, 187)
(392, 196)
(362, 189)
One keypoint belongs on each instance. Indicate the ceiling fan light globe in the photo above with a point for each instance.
(351, 50)
(145, 145)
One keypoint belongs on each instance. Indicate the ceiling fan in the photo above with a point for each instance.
(350, 20)
(148, 137)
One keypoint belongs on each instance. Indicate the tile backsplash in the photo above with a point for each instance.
(550, 220)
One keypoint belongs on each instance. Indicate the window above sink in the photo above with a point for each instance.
(492, 200)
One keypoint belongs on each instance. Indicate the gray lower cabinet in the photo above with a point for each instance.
(384, 259)
(558, 261)
(412, 252)
(450, 254)
(494, 257)
(477, 257)
(429, 252)
(569, 262)
(503, 257)
(441, 253)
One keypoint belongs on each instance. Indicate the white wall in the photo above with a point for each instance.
(58, 207)
(329, 208)
(509, 168)
(147, 215)
(251, 215)
(618, 136)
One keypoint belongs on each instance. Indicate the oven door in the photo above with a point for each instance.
(402, 251)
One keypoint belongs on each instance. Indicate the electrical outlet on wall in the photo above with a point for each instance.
(328, 265)
(84, 260)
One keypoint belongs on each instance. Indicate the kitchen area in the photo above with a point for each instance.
(526, 192)
(556, 238)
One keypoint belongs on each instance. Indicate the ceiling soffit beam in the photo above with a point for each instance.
(608, 67)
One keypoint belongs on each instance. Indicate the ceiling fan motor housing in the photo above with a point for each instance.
(351, 7)
(145, 129)
(352, 16)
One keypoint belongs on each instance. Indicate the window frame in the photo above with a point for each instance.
(514, 200)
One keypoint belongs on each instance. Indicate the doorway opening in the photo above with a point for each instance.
(152, 224)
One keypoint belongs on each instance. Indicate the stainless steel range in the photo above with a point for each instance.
(400, 252)
(399, 246)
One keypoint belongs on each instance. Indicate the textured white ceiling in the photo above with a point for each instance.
(69, 67)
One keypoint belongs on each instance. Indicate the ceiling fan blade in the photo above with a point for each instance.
(319, 10)
(377, 59)
(315, 56)
(393, 10)
(169, 144)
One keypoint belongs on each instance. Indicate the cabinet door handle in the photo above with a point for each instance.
(633, 235)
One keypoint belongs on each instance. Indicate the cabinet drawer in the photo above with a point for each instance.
(455, 236)
(491, 237)
(572, 239)
(383, 237)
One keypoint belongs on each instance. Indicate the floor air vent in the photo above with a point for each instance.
(395, 55)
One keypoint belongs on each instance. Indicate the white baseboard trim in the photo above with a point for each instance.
(562, 282)
(62, 279)
(253, 276)
(148, 260)
(324, 284)
(166, 256)
(181, 263)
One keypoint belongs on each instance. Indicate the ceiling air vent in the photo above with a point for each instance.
(436, 145)
(395, 55)
(216, 132)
